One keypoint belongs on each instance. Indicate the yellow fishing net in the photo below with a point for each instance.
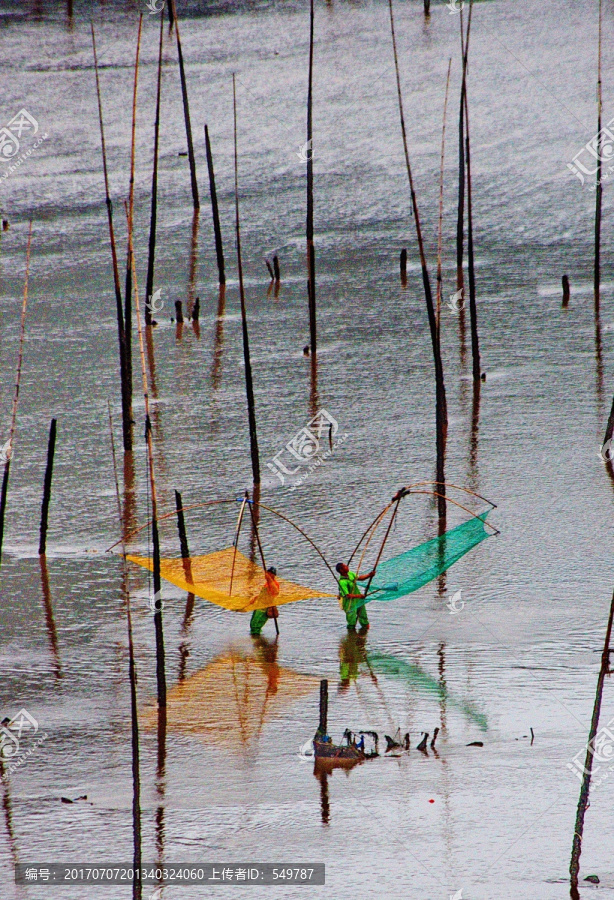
(209, 577)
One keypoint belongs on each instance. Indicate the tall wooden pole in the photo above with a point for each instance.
(128, 290)
(42, 546)
(460, 222)
(8, 447)
(249, 386)
(440, 229)
(126, 411)
(475, 344)
(441, 405)
(151, 257)
(219, 247)
(574, 867)
(311, 253)
(598, 186)
(186, 111)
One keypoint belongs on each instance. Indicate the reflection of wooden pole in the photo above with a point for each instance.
(42, 546)
(574, 867)
(186, 111)
(49, 619)
(8, 447)
(249, 387)
(160, 660)
(126, 412)
(311, 253)
(219, 247)
(136, 770)
(154, 189)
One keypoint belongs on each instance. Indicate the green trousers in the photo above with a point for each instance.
(351, 614)
(258, 620)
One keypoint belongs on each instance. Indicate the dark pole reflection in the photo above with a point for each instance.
(218, 342)
(49, 619)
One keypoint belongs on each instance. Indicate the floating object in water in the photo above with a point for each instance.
(306, 350)
(66, 800)
(182, 153)
(422, 745)
(351, 751)
(594, 879)
(5, 225)
(431, 801)
(476, 744)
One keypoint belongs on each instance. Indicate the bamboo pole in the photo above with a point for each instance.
(160, 660)
(311, 253)
(574, 867)
(219, 247)
(441, 405)
(440, 231)
(126, 413)
(42, 546)
(132, 675)
(249, 387)
(473, 315)
(128, 289)
(460, 222)
(153, 221)
(598, 186)
(186, 111)
(8, 447)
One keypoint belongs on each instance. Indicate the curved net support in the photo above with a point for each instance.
(409, 571)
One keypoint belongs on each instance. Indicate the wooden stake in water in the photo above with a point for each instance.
(132, 675)
(460, 222)
(566, 294)
(183, 538)
(7, 449)
(42, 546)
(441, 405)
(157, 581)
(186, 111)
(151, 258)
(475, 344)
(598, 186)
(126, 410)
(440, 231)
(219, 247)
(249, 386)
(605, 669)
(311, 253)
(128, 289)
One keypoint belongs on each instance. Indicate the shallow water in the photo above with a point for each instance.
(524, 650)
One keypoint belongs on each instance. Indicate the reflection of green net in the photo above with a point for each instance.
(409, 571)
(393, 667)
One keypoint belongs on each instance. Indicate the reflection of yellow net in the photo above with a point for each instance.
(211, 580)
(228, 702)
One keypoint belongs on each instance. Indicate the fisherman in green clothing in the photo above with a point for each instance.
(349, 593)
(270, 590)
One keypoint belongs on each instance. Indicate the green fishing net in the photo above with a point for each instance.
(413, 569)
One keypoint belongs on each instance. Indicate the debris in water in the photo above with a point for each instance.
(476, 744)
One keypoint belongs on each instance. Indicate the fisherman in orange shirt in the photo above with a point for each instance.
(270, 590)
